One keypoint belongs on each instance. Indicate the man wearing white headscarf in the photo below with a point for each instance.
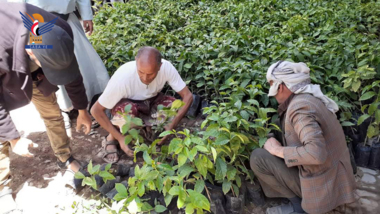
(309, 163)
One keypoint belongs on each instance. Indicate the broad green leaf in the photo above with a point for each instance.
(137, 121)
(160, 209)
(221, 169)
(198, 200)
(79, 175)
(127, 108)
(125, 128)
(127, 139)
(245, 114)
(193, 152)
(121, 189)
(226, 186)
(377, 116)
(181, 159)
(134, 133)
(202, 149)
(168, 199)
(181, 198)
(141, 189)
(174, 145)
(177, 104)
(163, 134)
(362, 118)
(356, 85)
(185, 170)
(372, 108)
(201, 164)
(189, 209)
(222, 139)
(372, 131)
(174, 190)
(238, 104)
(106, 175)
(108, 167)
(367, 95)
(199, 186)
(231, 172)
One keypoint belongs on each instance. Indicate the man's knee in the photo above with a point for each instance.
(258, 157)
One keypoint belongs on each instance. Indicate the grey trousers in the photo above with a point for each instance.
(276, 179)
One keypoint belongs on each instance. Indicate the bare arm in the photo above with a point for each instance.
(98, 112)
(187, 98)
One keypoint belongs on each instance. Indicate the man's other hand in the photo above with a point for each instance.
(21, 146)
(85, 120)
(88, 26)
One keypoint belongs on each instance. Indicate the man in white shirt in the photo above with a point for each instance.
(138, 83)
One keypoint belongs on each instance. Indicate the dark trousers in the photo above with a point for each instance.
(276, 179)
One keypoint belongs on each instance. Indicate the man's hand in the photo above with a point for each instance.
(88, 26)
(21, 146)
(85, 120)
(274, 147)
(124, 147)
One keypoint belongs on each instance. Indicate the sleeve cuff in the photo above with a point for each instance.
(289, 157)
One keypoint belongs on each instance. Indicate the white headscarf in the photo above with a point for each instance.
(296, 77)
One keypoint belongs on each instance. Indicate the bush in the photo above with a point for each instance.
(222, 49)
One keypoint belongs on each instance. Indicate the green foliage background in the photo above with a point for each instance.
(214, 42)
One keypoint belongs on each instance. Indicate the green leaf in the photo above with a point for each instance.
(221, 169)
(127, 108)
(202, 149)
(168, 199)
(356, 85)
(214, 154)
(79, 175)
(362, 119)
(198, 200)
(181, 159)
(106, 175)
(367, 95)
(347, 123)
(201, 164)
(141, 189)
(134, 133)
(160, 209)
(372, 131)
(226, 186)
(163, 134)
(108, 167)
(222, 140)
(181, 198)
(147, 158)
(177, 104)
(174, 145)
(199, 186)
(137, 121)
(231, 172)
(127, 139)
(121, 189)
(238, 104)
(125, 128)
(372, 108)
(189, 209)
(185, 170)
(262, 141)
(193, 152)
(244, 114)
(377, 116)
(174, 190)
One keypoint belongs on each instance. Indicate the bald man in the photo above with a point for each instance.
(139, 84)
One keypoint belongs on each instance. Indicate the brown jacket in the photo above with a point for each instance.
(15, 78)
(315, 142)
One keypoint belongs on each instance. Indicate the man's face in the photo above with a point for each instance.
(281, 95)
(147, 71)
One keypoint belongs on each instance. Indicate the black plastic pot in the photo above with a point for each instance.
(374, 158)
(362, 154)
(352, 158)
(205, 104)
(218, 201)
(107, 187)
(255, 194)
(235, 205)
(111, 194)
(194, 108)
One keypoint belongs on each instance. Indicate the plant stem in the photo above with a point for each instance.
(208, 193)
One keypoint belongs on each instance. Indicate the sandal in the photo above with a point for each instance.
(72, 181)
(113, 151)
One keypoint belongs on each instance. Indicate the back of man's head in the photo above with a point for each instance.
(148, 55)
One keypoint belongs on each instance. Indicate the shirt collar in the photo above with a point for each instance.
(284, 106)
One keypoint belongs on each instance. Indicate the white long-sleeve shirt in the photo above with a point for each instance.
(63, 6)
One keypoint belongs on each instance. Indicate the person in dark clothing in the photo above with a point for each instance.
(33, 75)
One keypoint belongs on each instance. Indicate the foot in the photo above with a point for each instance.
(113, 157)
